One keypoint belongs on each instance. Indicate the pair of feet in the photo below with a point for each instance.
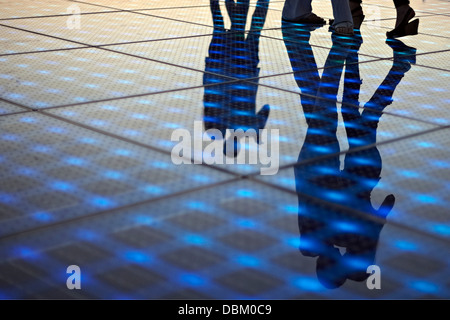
(343, 28)
(403, 26)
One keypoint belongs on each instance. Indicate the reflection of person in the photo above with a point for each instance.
(300, 11)
(335, 208)
(232, 54)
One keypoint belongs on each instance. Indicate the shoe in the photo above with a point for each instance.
(312, 18)
(405, 28)
(410, 29)
(343, 29)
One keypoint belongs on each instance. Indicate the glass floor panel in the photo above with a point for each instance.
(210, 150)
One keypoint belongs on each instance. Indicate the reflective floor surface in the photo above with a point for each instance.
(117, 152)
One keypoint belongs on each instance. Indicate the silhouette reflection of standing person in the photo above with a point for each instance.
(348, 221)
(234, 54)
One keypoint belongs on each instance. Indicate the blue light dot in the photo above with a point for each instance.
(143, 220)
(101, 202)
(426, 198)
(42, 216)
(425, 286)
(192, 280)
(441, 229)
(194, 239)
(405, 245)
(248, 261)
(308, 284)
(138, 257)
(245, 193)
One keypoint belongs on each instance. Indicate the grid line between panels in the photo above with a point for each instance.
(150, 147)
(231, 79)
(112, 210)
(158, 61)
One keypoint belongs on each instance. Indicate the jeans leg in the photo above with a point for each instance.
(294, 9)
(341, 12)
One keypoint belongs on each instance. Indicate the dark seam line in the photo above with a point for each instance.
(13, 113)
(124, 139)
(112, 210)
(355, 212)
(88, 46)
(58, 15)
(178, 66)
(144, 14)
(117, 10)
(358, 149)
(139, 95)
(104, 45)
(121, 138)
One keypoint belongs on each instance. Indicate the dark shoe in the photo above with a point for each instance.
(405, 28)
(410, 29)
(312, 18)
(342, 29)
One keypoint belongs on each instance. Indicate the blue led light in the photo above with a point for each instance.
(245, 193)
(56, 130)
(426, 198)
(343, 226)
(88, 141)
(409, 174)
(248, 261)
(245, 223)
(125, 81)
(101, 202)
(192, 280)
(7, 198)
(42, 216)
(140, 116)
(295, 242)
(24, 252)
(441, 229)
(289, 209)
(154, 190)
(74, 161)
(194, 239)
(308, 284)
(14, 95)
(131, 132)
(335, 196)
(425, 286)
(137, 257)
(197, 205)
(61, 185)
(113, 175)
(28, 119)
(201, 178)
(425, 144)
(87, 235)
(405, 245)
(109, 107)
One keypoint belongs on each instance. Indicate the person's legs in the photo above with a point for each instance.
(300, 11)
(343, 21)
